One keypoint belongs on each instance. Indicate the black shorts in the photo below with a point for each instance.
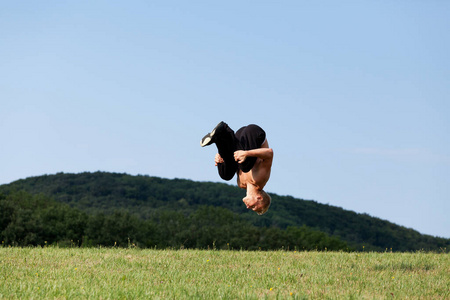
(248, 138)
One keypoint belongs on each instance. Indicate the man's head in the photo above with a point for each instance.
(258, 201)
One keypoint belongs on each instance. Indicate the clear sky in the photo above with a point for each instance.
(354, 95)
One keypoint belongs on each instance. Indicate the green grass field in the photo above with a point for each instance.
(53, 272)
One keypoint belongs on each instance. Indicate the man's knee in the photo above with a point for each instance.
(226, 176)
(225, 173)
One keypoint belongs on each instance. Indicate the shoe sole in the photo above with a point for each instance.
(206, 140)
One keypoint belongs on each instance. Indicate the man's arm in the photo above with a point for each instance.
(263, 153)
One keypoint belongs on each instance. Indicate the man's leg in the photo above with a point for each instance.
(225, 140)
(226, 145)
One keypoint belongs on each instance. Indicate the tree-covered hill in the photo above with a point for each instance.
(152, 198)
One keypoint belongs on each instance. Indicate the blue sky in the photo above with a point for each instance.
(353, 95)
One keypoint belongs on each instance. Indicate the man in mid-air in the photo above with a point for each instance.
(246, 153)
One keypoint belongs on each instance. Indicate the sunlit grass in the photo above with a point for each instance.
(133, 273)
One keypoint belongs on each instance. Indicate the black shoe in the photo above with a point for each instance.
(209, 138)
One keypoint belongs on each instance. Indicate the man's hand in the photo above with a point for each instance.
(218, 159)
(240, 156)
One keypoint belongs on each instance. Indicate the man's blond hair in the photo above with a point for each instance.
(265, 202)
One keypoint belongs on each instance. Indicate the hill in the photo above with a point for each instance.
(153, 198)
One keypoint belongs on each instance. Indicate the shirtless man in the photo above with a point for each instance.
(246, 153)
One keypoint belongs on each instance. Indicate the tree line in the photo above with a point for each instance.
(149, 198)
(37, 220)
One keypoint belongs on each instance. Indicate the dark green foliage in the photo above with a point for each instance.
(29, 220)
(118, 209)
(37, 220)
(300, 238)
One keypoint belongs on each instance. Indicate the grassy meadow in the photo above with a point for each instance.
(117, 273)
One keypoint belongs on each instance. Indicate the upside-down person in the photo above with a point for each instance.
(247, 154)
